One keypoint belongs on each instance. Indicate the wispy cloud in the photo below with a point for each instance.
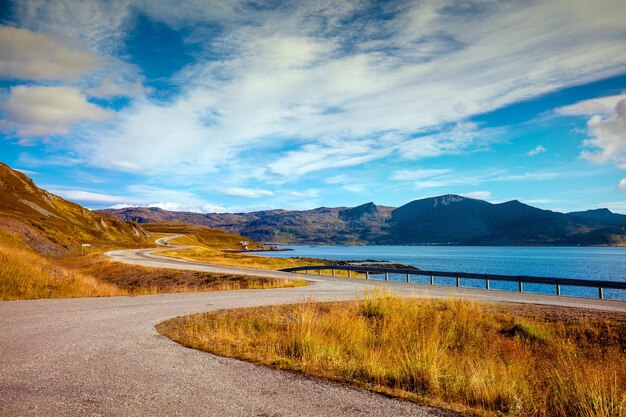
(482, 195)
(244, 192)
(91, 197)
(536, 150)
(140, 196)
(416, 174)
(446, 178)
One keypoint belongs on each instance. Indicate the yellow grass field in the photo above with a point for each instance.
(477, 359)
(27, 275)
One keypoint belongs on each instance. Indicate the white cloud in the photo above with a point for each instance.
(244, 192)
(27, 171)
(89, 197)
(536, 150)
(462, 137)
(607, 142)
(354, 188)
(44, 111)
(28, 55)
(338, 179)
(310, 72)
(416, 174)
(622, 184)
(142, 196)
(481, 195)
(201, 208)
(601, 105)
(329, 154)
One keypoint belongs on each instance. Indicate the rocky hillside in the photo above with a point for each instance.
(53, 226)
(448, 219)
(322, 225)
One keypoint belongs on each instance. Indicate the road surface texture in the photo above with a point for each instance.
(102, 356)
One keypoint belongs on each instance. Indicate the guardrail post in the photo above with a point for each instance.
(521, 285)
(486, 283)
(367, 274)
(458, 281)
(408, 277)
(332, 272)
(349, 273)
(319, 272)
(386, 276)
(600, 293)
(432, 280)
(558, 289)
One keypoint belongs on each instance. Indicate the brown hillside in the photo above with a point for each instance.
(53, 226)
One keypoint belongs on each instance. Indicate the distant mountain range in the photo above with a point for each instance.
(443, 220)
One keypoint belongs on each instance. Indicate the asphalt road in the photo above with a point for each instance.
(102, 356)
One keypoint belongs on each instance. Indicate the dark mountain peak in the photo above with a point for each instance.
(601, 215)
(364, 208)
(600, 211)
(357, 212)
(447, 201)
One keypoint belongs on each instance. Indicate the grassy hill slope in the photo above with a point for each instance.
(53, 226)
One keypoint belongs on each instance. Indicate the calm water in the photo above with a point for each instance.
(599, 263)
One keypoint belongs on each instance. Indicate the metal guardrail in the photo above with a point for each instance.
(519, 279)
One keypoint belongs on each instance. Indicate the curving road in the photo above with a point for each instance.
(102, 356)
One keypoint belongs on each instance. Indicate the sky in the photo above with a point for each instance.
(214, 106)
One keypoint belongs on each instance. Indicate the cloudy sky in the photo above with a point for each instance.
(247, 105)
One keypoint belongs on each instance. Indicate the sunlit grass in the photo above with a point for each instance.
(474, 358)
(140, 280)
(27, 275)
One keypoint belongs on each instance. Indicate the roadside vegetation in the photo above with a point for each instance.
(140, 280)
(479, 359)
(218, 247)
(25, 274)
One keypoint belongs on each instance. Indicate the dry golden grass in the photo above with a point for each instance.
(140, 280)
(26, 275)
(477, 359)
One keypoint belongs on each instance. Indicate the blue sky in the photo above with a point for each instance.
(248, 105)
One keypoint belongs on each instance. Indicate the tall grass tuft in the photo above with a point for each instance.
(26, 275)
(456, 354)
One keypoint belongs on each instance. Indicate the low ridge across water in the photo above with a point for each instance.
(593, 263)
